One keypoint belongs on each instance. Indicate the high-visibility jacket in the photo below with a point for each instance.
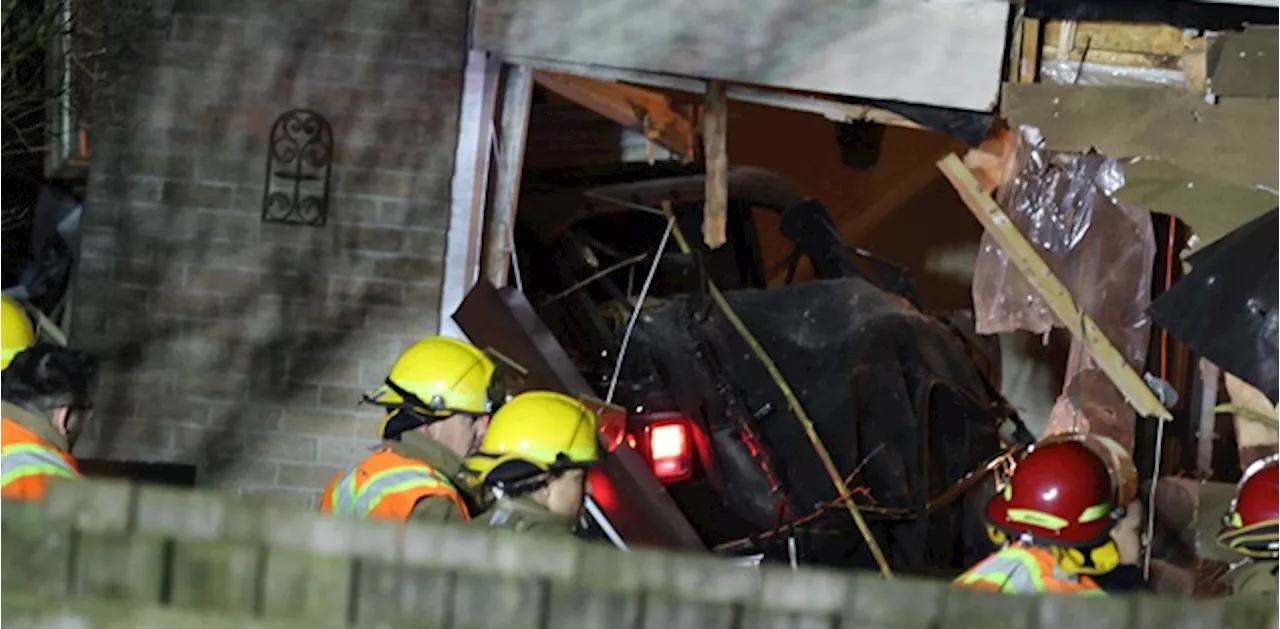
(523, 515)
(1019, 569)
(27, 463)
(388, 485)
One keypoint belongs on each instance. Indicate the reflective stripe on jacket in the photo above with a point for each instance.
(27, 463)
(1026, 570)
(387, 485)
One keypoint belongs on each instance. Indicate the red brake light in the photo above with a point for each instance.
(613, 429)
(670, 453)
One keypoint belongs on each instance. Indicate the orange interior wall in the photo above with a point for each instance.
(902, 209)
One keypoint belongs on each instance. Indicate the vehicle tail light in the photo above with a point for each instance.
(613, 428)
(611, 422)
(670, 451)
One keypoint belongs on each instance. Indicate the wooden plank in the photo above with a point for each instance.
(715, 127)
(946, 54)
(633, 107)
(1253, 437)
(513, 129)
(1029, 62)
(1244, 63)
(1231, 140)
(1050, 288)
(1206, 430)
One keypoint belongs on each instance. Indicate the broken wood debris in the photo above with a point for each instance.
(1028, 261)
(513, 130)
(715, 122)
(637, 108)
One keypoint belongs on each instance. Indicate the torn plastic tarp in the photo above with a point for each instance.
(1100, 249)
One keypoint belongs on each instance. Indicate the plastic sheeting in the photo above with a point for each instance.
(1066, 72)
(1100, 249)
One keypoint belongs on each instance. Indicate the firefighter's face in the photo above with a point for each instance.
(566, 493)
(460, 433)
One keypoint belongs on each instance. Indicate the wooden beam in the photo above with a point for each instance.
(828, 108)
(633, 107)
(513, 129)
(1025, 257)
(1255, 418)
(715, 127)
(1029, 61)
(1206, 431)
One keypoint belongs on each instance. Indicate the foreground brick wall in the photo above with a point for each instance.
(241, 346)
(108, 555)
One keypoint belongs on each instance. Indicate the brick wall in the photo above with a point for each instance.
(107, 555)
(240, 346)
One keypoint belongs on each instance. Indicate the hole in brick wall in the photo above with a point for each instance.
(173, 474)
(299, 169)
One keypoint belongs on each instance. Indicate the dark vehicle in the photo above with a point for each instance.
(900, 399)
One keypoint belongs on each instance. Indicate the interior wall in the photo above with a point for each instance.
(902, 209)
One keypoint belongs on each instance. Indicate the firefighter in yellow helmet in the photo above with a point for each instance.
(532, 463)
(16, 330)
(437, 398)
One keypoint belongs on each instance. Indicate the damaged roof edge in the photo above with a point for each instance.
(1213, 15)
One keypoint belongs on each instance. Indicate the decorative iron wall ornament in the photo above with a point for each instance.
(299, 167)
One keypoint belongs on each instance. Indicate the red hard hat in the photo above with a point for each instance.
(1062, 494)
(1251, 525)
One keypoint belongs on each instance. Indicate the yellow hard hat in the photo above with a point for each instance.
(16, 330)
(548, 430)
(437, 377)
